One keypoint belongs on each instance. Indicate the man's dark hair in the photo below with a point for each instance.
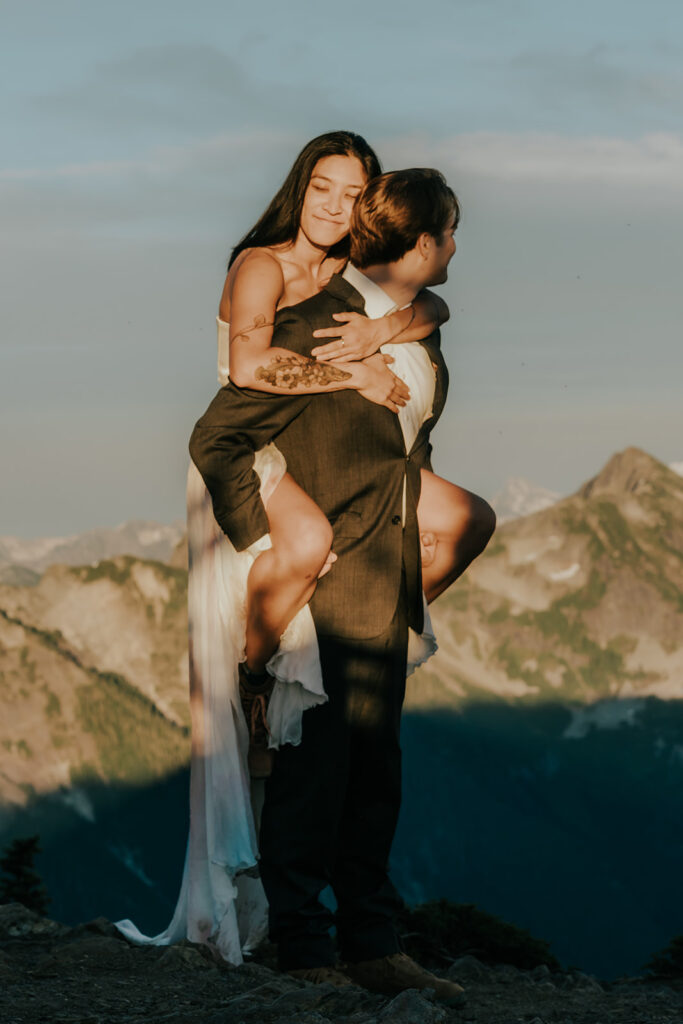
(280, 222)
(394, 209)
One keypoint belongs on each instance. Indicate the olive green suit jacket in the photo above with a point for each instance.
(348, 454)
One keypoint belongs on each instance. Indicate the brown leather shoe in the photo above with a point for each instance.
(321, 976)
(393, 974)
(255, 693)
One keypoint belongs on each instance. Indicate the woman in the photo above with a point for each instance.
(289, 254)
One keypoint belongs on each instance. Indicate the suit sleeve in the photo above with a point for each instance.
(237, 424)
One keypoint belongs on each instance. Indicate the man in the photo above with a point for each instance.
(332, 803)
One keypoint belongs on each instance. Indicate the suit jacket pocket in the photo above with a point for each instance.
(347, 524)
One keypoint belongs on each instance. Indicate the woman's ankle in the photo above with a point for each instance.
(255, 680)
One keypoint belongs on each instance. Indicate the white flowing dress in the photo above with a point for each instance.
(221, 899)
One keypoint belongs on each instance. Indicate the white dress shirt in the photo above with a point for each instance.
(411, 362)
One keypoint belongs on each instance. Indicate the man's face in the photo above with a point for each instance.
(441, 254)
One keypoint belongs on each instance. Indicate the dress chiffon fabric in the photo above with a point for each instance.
(221, 900)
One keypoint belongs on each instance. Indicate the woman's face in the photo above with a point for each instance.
(335, 185)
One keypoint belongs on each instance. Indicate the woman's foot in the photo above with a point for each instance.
(255, 691)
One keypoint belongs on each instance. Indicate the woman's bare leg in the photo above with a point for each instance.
(282, 580)
(455, 527)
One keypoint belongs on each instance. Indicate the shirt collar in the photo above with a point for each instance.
(377, 302)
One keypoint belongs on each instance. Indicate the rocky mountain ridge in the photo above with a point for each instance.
(22, 560)
(582, 601)
(90, 973)
(93, 677)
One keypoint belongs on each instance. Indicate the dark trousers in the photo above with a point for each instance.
(331, 807)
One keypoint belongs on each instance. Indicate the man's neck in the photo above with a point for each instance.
(401, 292)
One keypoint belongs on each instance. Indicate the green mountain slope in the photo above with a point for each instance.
(578, 602)
(69, 723)
(125, 615)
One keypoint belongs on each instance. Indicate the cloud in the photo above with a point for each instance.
(214, 186)
(175, 186)
(653, 161)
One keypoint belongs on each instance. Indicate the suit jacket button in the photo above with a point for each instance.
(396, 520)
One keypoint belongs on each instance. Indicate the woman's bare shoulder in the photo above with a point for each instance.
(254, 271)
(261, 260)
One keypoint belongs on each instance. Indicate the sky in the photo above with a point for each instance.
(141, 139)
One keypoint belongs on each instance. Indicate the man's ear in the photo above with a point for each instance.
(424, 244)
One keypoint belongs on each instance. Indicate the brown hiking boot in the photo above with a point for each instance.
(321, 976)
(255, 691)
(393, 974)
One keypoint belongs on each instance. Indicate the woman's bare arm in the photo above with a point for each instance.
(250, 301)
(358, 337)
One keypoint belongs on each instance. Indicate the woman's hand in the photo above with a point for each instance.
(381, 385)
(357, 337)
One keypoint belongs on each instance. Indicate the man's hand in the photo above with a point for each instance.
(383, 387)
(356, 338)
(428, 544)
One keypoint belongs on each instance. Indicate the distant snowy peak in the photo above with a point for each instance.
(520, 497)
(137, 537)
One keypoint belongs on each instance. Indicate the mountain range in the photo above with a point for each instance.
(22, 561)
(543, 744)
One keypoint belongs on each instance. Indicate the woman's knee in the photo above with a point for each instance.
(309, 545)
(482, 520)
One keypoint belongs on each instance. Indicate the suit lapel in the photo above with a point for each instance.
(440, 388)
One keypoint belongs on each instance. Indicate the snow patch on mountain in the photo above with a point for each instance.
(78, 801)
(604, 714)
(520, 497)
(130, 859)
(565, 574)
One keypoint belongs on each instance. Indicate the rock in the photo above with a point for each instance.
(6, 970)
(540, 973)
(100, 926)
(507, 975)
(93, 951)
(304, 1018)
(178, 957)
(16, 919)
(468, 968)
(249, 1006)
(256, 974)
(411, 1007)
(306, 998)
(587, 982)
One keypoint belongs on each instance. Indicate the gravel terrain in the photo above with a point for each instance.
(91, 975)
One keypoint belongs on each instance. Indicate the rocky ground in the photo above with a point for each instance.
(91, 975)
